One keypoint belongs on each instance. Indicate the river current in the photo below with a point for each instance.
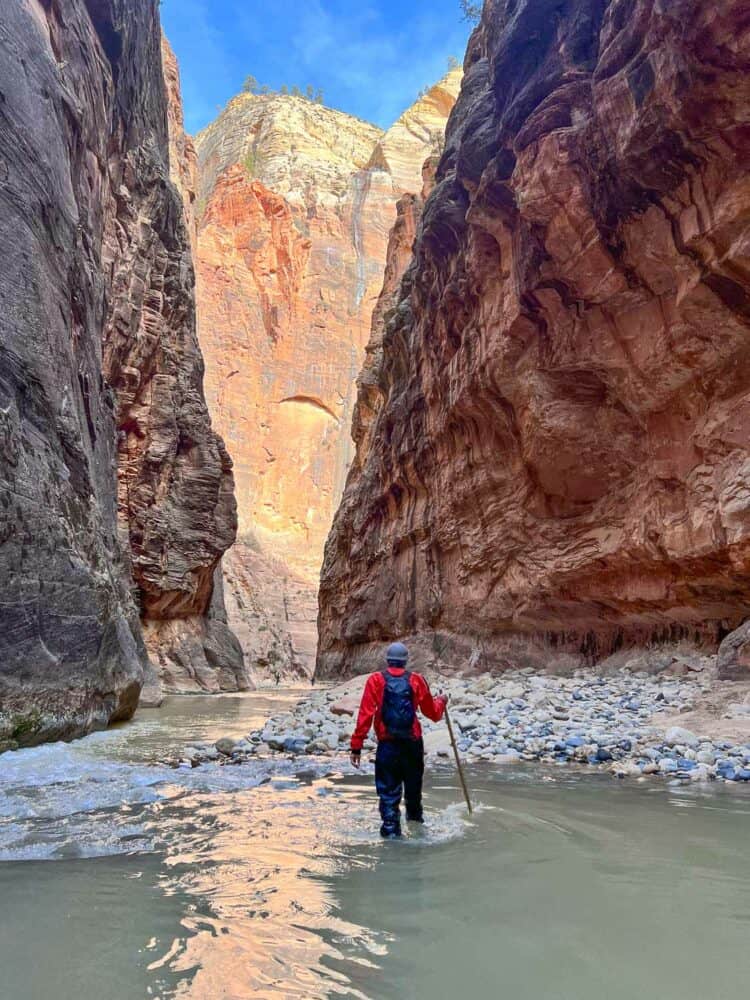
(123, 879)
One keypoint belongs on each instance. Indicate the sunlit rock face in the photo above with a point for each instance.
(115, 495)
(295, 203)
(557, 456)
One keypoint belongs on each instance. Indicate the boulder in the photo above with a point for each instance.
(437, 740)
(348, 705)
(677, 736)
(734, 655)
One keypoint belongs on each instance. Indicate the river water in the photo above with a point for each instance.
(121, 879)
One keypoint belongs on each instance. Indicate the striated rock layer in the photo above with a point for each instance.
(553, 450)
(186, 487)
(296, 202)
(100, 371)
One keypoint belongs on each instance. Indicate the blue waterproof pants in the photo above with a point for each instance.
(399, 763)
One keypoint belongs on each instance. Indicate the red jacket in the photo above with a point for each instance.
(372, 700)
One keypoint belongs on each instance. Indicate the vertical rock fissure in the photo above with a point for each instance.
(361, 185)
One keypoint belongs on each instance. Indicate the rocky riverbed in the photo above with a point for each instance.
(679, 722)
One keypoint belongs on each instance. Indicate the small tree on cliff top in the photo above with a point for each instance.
(471, 11)
(251, 85)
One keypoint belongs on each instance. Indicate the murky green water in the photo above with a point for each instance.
(123, 880)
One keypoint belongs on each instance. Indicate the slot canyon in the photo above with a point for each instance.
(374, 499)
(495, 354)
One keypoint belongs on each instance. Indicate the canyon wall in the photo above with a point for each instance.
(295, 204)
(115, 495)
(182, 514)
(183, 158)
(552, 443)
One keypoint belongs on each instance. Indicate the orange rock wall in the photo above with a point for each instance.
(293, 235)
(282, 341)
(559, 457)
(296, 204)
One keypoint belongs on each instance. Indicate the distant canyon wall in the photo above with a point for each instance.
(295, 204)
(552, 441)
(116, 498)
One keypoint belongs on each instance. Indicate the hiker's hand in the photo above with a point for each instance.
(355, 757)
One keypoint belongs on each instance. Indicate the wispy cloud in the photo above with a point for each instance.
(371, 59)
(203, 55)
(371, 63)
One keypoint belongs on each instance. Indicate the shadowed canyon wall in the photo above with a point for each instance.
(186, 473)
(552, 444)
(295, 205)
(116, 498)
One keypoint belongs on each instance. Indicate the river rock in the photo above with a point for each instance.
(734, 655)
(677, 735)
(225, 745)
(346, 706)
(604, 733)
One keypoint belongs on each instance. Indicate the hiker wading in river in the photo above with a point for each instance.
(390, 700)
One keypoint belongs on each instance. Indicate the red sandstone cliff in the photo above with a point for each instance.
(115, 495)
(398, 257)
(558, 457)
(296, 204)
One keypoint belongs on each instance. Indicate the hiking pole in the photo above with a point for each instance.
(458, 760)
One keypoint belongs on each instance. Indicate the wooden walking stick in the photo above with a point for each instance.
(458, 760)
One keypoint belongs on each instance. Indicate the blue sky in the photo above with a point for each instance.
(370, 57)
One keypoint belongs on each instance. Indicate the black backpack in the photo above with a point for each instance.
(397, 711)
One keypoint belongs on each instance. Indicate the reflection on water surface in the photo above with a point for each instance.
(269, 879)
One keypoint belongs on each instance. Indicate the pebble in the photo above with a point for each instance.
(607, 723)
